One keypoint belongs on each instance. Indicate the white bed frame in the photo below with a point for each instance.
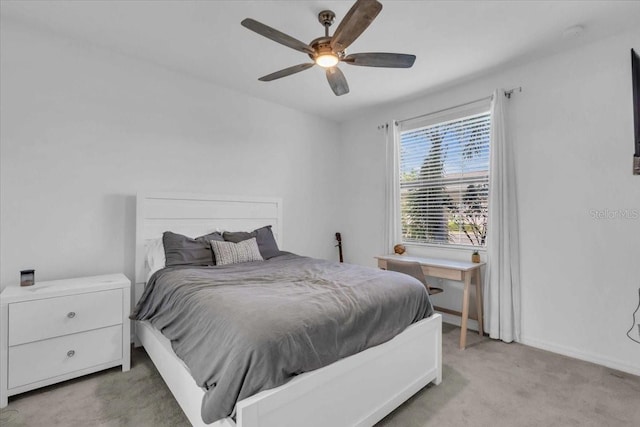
(356, 391)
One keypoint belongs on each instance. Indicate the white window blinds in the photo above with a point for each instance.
(444, 178)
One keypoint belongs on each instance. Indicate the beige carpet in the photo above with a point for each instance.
(488, 384)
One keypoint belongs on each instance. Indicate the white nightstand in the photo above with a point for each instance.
(57, 330)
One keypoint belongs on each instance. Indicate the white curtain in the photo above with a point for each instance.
(392, 191)
(502, 280)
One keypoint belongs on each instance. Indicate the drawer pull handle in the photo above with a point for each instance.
(71, 353)
(71, 314)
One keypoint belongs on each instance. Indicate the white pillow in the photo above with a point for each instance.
(234, 253)
(155, 259)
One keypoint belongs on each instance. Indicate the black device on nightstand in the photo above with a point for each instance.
(27, 277)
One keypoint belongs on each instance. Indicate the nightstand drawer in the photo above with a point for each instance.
(51, 317)
(37, 361)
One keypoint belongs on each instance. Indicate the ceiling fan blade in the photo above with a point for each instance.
(286, 72)
(337, 81)
(359, 17)
(380, 59)
(276, 36)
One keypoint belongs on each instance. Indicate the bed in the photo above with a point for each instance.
(358, 390)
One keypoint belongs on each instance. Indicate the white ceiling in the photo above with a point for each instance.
(453, 40)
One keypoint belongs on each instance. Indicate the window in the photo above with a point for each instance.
(444, 178)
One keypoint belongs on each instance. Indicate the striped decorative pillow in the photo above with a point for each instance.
(234, 253)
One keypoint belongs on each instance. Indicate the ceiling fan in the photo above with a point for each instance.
(328, 51)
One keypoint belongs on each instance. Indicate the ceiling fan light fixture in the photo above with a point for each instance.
(327, 59)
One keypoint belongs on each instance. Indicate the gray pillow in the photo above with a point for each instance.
(264, 236)
(183, 250)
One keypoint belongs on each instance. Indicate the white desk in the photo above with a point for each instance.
(461, 271)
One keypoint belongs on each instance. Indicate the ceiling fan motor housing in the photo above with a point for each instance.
(322, 46)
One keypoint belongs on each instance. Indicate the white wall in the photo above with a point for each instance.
(572, 128)
(84, 129)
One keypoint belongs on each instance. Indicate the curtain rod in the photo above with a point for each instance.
(507, 93)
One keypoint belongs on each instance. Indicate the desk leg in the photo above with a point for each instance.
(479, 301)
(465, 310)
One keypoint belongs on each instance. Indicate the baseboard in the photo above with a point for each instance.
(577, 354)
(457, 321)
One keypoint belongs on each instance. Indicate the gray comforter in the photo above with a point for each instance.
(249, 327)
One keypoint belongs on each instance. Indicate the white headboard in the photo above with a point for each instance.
(197, 214)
